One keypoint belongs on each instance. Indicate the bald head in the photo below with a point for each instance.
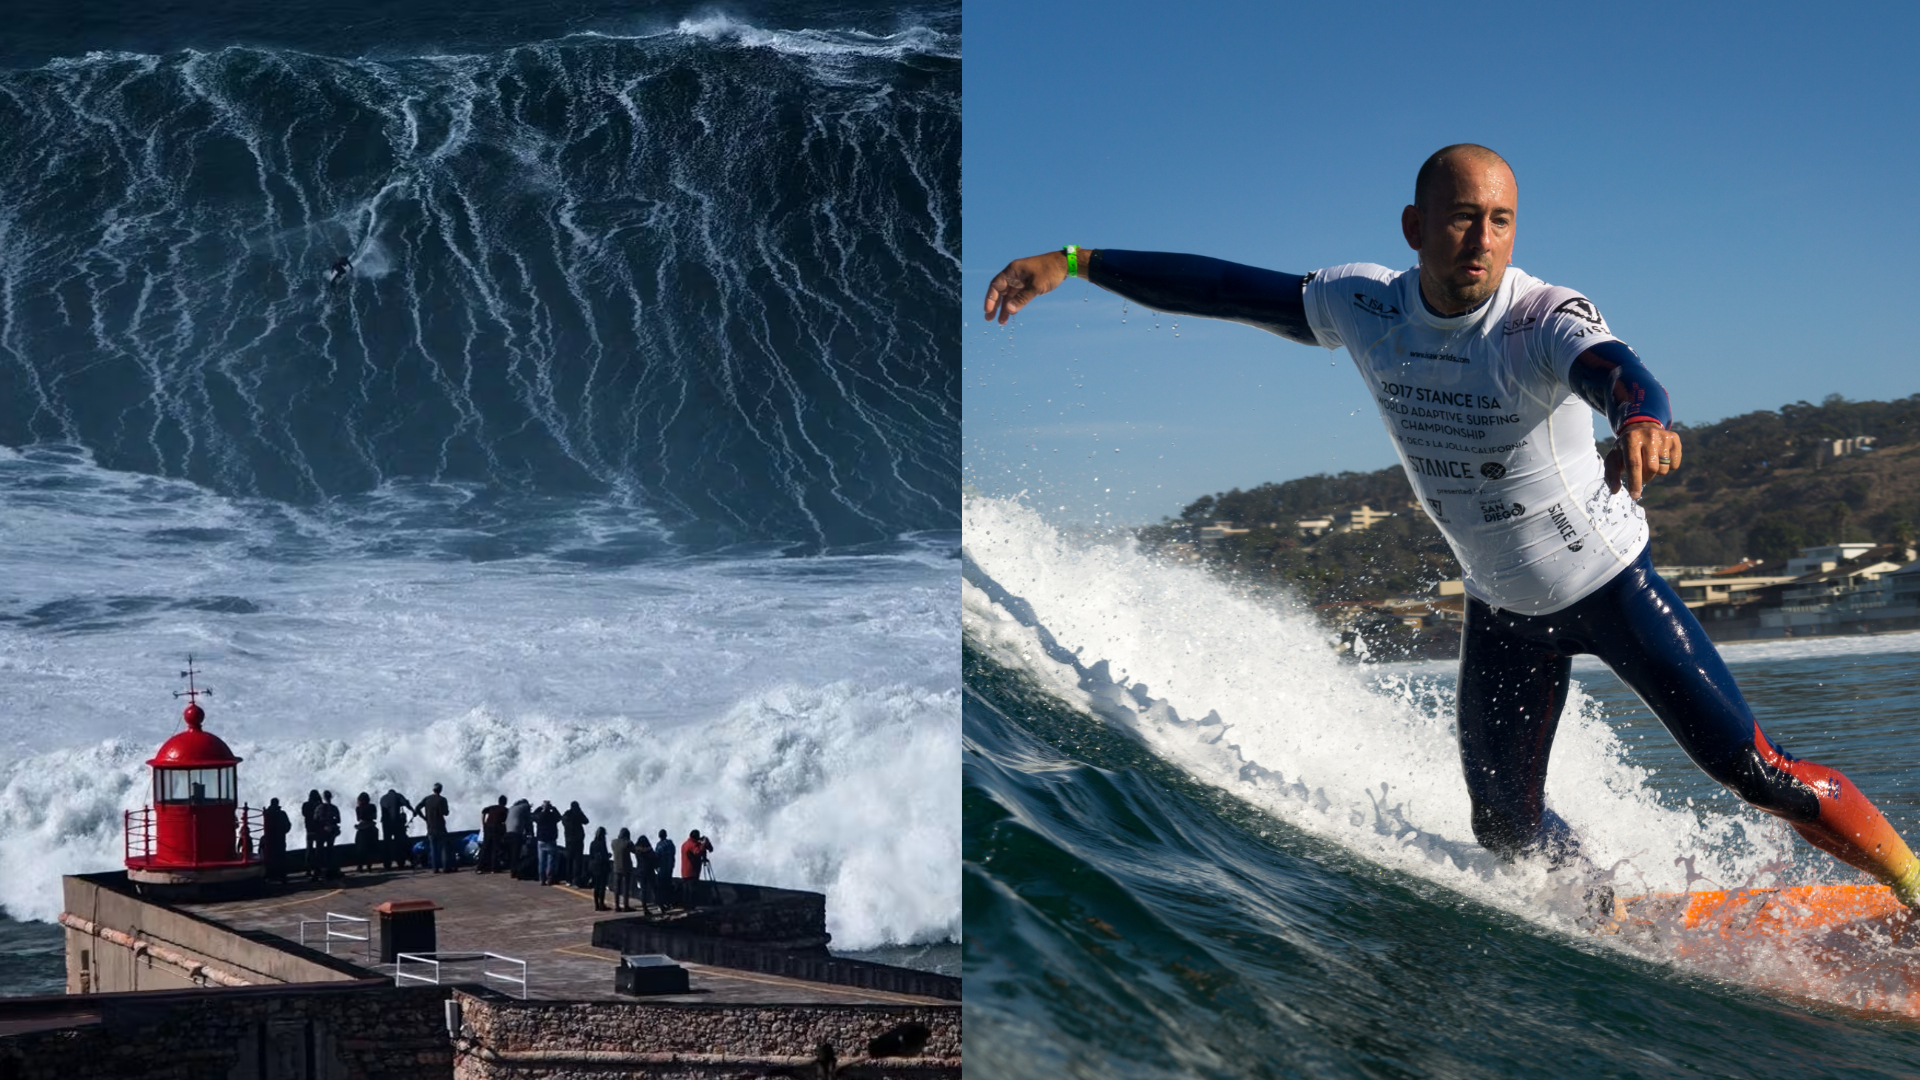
(1444, 160)
(1461, 222)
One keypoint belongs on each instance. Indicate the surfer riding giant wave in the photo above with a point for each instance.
(620, 458)
(1483, 376)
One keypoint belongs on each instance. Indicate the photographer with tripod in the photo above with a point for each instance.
(694, 853)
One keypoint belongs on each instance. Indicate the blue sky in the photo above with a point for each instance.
(1733, 186)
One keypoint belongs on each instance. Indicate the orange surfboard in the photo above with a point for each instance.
(1849, 945)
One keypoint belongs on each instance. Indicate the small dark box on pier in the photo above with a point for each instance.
(649, 973)
(406, 926)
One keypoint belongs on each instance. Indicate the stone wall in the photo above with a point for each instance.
(505, 1039)
(643, 936)
(336, 1031)
(762, 914)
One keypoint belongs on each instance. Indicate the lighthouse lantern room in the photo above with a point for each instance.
(194, 833)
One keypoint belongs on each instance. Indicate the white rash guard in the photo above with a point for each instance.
(1491, 434)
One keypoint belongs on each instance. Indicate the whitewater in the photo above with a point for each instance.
(1244, 692)
(803, 712)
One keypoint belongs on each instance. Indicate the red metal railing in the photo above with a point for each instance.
(249, 831)
(139, 833)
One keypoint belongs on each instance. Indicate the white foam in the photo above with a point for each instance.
(842, 789)
(805, 711)
(818, 43)
(1365, 758)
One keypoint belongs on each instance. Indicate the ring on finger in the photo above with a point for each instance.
(1666, 461)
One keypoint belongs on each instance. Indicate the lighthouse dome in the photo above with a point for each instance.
(194, 747)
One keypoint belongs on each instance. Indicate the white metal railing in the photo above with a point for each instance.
(433, 961)
(1860, 601)
(331, 922)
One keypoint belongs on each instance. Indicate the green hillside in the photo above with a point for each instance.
(1750, 486)
(1755, 486)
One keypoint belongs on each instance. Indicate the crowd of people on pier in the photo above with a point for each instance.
(535, 843)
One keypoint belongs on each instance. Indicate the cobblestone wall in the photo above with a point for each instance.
(267, 1033)
(502, 1039)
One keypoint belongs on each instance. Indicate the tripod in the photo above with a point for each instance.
(712, 883)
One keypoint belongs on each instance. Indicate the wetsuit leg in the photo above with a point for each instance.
(1511, 691)
(1640, 629)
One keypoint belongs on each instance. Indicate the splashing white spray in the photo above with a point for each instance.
(841, 789)
(1345, 752)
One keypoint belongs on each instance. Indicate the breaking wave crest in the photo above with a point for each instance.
(840, 789)
(1246, 694)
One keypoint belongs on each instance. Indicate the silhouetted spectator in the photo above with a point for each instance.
(310, 830)
(493, 837)
(394, 843)
(274, 827)
(546, 831)
(621, 855)
(366, 832)
(520, 839)
(435, 810)
(327, 816)
(644, 875)
(663, 868)
(574, 827)
(599, 861)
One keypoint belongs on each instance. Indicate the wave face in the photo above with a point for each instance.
(708, 271)
(1184, 814)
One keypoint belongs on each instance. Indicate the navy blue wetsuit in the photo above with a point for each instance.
(1514, 667)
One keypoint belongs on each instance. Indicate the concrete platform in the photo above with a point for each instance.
(550, 927)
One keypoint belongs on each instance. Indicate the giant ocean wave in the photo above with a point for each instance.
(705, 272)
(638, 310)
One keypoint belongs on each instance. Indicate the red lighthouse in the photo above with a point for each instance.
(195, 833)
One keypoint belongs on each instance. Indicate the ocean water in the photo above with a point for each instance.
(1199, 844)
(622, 467)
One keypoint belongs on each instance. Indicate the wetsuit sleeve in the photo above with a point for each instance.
(1611, 378)
(1207, 288)
(1573, 341)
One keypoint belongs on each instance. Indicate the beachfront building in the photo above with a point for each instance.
(1840, 589)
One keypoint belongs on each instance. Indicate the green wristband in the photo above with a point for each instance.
(1073, 259)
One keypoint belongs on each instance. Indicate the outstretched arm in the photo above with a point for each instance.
(1171, 283)
(1611, 378)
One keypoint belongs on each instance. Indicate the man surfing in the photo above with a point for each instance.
(1483, 375)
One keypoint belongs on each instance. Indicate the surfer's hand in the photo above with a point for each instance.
(1024, 279)
(1643, 451)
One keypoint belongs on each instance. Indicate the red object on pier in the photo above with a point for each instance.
(191, 833)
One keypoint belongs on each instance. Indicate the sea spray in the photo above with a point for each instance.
(1249, 694)
(841, 789)
(803, 710)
